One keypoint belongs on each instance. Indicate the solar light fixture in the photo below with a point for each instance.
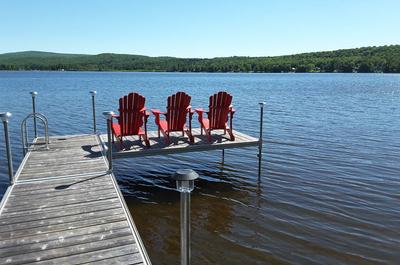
(185, 184)
(185, 179)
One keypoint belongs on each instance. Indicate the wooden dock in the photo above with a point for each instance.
(133, 147)
(66, 208)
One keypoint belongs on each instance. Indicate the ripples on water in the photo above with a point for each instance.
(329, 191)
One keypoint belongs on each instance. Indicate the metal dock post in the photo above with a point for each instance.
(5, 116)
(93, 93)
(109, 115)
(34, 94)
(260, 139)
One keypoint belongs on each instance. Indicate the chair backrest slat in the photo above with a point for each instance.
(219, 110)
(176, 110)
(129, 112)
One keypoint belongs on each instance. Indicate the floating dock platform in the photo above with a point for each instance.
(133, 147)
(65, 207)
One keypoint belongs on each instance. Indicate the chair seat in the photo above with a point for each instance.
(117, 130)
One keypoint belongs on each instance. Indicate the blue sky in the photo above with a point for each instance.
(196, 28)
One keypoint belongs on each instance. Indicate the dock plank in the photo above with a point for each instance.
(65, 207)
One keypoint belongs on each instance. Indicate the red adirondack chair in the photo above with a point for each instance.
(132, 116)
(219, 109)
(178, 106)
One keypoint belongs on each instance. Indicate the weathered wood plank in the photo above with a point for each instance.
(68, 251)
(93, 256)
(60, 172)
(57, 203)
(62, 235)
(68, 196)
(84, 237)
(58, 208)
(134, 259)
(32, 164)
(68, 211)
(38, 194)
(63, 182)
(66, 219)
(62, 227)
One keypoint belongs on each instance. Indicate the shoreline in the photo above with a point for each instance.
(192, 72)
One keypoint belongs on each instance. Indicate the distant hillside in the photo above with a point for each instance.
(385, 59)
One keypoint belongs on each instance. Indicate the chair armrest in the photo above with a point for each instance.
(157, 112)
(200, 110)
(190, 111)
(115, 116)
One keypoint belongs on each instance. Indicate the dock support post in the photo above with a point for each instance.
(5, 116)
(94, 110)
(223, 157)
(34, 94)
(185, 184)
(109, 115)
(260, 139)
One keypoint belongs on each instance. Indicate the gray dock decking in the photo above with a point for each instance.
(179, 144)
(66, 208)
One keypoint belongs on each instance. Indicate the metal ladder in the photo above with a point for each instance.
(30, 146)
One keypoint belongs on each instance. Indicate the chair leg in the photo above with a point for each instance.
(146, 140)
(166, 139)
(208, 132)
(121, 141)
(232, 137)
(190, 135)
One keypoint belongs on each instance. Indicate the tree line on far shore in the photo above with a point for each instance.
(382, 59)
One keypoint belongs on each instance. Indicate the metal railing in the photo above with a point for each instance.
(24, 131)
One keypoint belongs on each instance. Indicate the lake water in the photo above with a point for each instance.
(329, 192)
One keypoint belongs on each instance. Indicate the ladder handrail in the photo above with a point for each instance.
(24, 132)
